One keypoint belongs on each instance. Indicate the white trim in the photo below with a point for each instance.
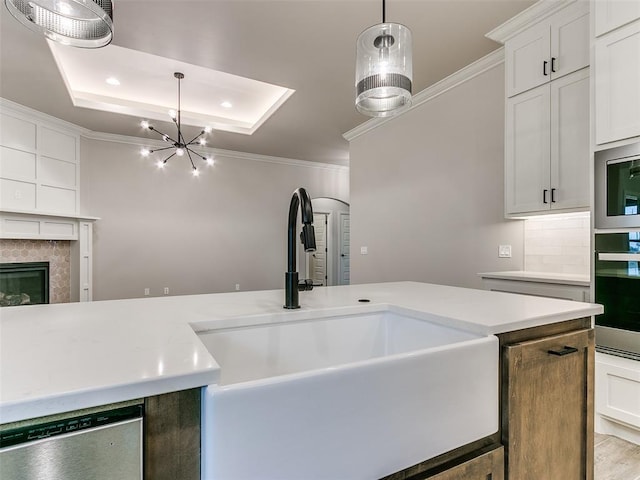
(49, 214)
(535, 13)
(28, 114)
(12, 107)
(463, 75)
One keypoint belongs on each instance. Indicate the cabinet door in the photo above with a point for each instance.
(527, 145)
(489, 465)
(617, 77)
(570, 40)
(527, 61)
(570, 141)
(611, 14)
(548, 407)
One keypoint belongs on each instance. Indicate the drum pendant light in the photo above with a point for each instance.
(383, 68)
(79, 23)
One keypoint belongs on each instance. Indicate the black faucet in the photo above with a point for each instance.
(307, 237)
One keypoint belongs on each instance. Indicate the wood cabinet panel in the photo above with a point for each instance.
(547, 407)
(172, 436)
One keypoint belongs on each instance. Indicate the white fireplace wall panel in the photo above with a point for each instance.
(39, 166)
(40, 190)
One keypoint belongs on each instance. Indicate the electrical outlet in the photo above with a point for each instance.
(146, 292)
(166, 290)
(504, 251)
(364, 250)
(237, 286)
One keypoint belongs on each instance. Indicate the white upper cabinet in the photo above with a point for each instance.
(527, 149)
(547, 147)
(611, 14)
(548, 50)
(617, 82)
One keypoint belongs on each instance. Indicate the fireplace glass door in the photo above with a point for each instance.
(25, 283)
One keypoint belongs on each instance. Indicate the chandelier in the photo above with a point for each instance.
(179, 146)
(79, 23)
(383, 68)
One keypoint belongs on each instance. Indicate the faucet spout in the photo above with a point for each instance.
(301, 199)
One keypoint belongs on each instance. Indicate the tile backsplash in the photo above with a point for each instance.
(56, 252)
(558, 243)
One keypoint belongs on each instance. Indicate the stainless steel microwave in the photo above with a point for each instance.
(617, 187)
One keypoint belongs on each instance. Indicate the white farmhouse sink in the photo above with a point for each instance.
(349, 397)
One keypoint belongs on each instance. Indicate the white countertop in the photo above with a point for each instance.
(543, 277)
(63, 357)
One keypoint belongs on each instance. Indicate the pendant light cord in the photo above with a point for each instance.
(384, 16)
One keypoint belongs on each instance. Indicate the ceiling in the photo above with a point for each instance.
(303, 45)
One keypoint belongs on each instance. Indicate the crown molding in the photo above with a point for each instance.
(29, 114)
(535, 13)
(218, 152)
(463, 75)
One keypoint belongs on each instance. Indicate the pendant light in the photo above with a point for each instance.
(383, 68)
(79, 23)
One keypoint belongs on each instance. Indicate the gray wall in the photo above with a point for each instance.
(427, 191)
(164, 228)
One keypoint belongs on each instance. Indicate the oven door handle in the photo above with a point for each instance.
(619, 257)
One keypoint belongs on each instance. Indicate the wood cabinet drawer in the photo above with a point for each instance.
(488, 466)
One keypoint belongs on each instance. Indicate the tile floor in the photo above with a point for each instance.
(616, 459)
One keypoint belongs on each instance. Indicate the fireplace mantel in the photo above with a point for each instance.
(20, 224)
(25, 225)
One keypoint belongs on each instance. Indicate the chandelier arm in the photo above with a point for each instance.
(165, 160)
(190, 159)
(192, 141)
(163, 135)
(197, 154)
(161, 149)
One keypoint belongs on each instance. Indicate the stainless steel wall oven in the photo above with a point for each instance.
(617, 287)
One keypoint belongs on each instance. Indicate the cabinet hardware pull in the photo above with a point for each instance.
(553, 64)
(544, 196)
(553, 195)
(565, 351)
(544, 68)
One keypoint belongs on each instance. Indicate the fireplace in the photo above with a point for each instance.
(24, 283)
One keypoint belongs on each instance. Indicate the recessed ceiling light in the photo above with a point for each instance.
(113, 81)
(226, 104)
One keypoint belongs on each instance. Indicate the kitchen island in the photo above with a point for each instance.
(64, 357)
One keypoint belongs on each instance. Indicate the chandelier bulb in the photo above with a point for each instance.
(195, 172)
(144, 124)
(165, 138)
(207, 129)
(179, 151)
(145, 152)
(210, 161)
(172, 114)
(202, 141)
(160, 163)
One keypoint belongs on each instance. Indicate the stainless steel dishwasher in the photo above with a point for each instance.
(87, 445)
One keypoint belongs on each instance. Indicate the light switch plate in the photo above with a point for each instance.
(364, 250)
(504, 251)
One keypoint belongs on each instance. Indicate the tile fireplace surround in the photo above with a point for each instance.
(56, 252)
